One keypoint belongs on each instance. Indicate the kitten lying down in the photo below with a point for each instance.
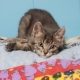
(41, 32)
(17, 58)
(49, 47)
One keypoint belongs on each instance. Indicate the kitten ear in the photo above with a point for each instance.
(60, 33)
(37, 29)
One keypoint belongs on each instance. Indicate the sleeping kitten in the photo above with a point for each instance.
(43, 34)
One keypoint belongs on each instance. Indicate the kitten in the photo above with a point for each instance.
(43, 34)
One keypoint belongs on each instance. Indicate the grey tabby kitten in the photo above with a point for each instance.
(42, 34)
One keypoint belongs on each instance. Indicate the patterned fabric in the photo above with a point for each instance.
(49, 70)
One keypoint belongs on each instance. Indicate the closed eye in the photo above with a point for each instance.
(40, 44)
(52, 46)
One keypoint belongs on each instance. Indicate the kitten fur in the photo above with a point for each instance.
(42, 32)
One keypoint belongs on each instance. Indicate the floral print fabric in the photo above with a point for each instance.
(48, 70)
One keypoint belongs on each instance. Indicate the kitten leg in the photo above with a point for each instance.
(24, 24)
(20, 44)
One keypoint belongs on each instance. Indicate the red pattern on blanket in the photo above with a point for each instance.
(48, 70)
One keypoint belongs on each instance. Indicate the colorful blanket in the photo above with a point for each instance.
(48, 70)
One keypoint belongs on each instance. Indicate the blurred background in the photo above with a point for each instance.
(65, 12)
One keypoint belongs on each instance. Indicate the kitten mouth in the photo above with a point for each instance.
(50, 54)
(45, 55)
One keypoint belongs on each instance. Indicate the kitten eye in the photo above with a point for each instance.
(52, 46)
(40, 44)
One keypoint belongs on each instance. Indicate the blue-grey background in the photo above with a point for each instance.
(65, 12)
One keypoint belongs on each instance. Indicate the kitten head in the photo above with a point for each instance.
(44, 43)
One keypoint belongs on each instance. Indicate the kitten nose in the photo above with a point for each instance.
(45, 53)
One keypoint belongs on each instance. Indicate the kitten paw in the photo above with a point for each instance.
(10, 47)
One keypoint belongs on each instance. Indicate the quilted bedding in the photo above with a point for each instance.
(64, 66)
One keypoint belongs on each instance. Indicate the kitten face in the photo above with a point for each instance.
(46, 45)
(45, 48)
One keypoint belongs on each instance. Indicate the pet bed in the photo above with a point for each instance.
(21, 65)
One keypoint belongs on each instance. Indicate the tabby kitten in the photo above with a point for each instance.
(43, 34)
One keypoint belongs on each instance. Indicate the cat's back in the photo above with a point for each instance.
(43, 16)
